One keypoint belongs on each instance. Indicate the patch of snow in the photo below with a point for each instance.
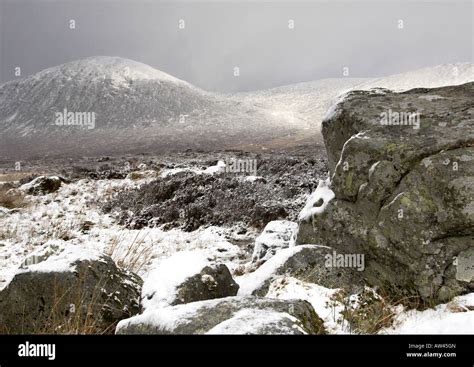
(211, 170)
(372, 168)
(57, 256)
(252, 321)
(250, 282)
(218, 168)
(323, 195)
(455, 317)
(321, 299)
(252, 178)
(431, 98)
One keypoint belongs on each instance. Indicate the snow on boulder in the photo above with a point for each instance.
(186, 276)
(62, 286)
(231, 315)
(42, 185)
(318, 201)
(307, 262)
(277, 235)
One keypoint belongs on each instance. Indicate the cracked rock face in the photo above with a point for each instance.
(402, 167)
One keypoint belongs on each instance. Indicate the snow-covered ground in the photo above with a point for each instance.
(64, 216)
(455, 317)
(72, 216)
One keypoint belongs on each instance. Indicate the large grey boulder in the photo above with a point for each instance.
(231, 315)
(402, 167)
(66, 289)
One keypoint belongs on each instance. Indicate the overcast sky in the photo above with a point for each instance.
(252, 35)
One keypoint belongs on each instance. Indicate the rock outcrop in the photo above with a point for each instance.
(402, 171)
(64, 289)
(231, 315)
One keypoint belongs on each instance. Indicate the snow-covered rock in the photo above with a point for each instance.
(186, 276)
(42, 185)
(307, 262)
(231, 315)
(321, 298)
(61, 284)
(277, 235)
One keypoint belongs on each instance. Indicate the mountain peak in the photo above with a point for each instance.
(118, 69)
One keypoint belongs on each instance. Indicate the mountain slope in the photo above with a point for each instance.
(134, 106)
(430, 77)
(309, 101)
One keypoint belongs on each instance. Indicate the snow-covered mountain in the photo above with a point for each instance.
(134, 106)
(430, 77)
(309, 101)
(138, 108)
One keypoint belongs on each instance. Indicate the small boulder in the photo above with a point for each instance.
(187, 276)
(43, 185)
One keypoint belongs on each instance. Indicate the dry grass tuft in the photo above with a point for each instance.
(130, 256)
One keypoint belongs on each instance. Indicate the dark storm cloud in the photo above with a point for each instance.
(251, 35)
